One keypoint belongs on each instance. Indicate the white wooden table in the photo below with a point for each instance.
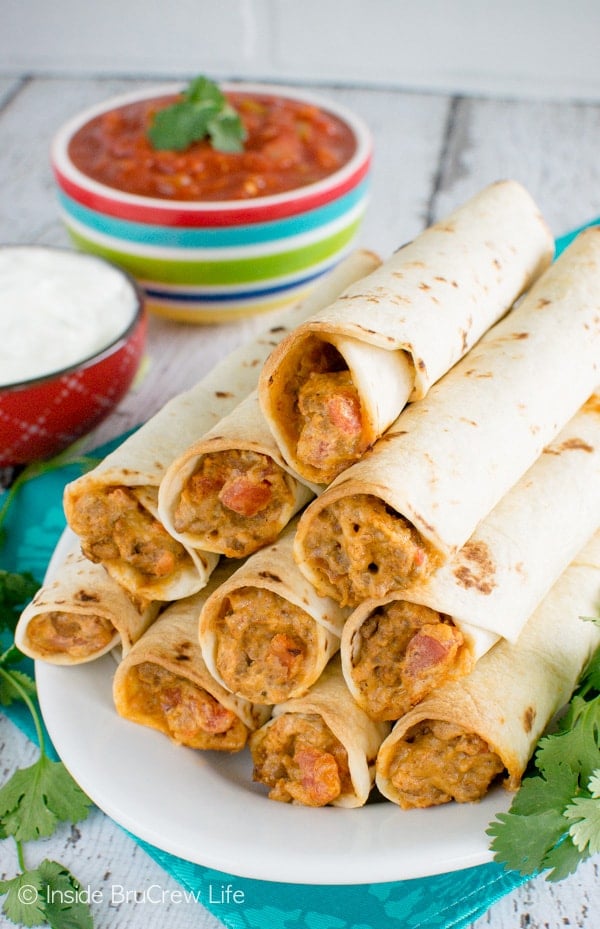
(432, 153)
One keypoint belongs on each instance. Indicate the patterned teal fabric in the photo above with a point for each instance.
(448, 901)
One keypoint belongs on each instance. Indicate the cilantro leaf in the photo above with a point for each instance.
(203, 111)
(24, 902)
(8, 692)
(584, 814)
(523, 842)
(224, 130)
(563, 859)
(49, 895)
(36, 798)
(552, 789)
(579, 744)
(15, 591)
(64, 907)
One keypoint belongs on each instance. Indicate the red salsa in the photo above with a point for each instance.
(290, 143)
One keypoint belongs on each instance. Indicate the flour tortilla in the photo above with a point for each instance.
(450, 458)
(273, 568)
(172, 644)
(401, 328)
(515, 690)
(361, 737)
(497, 580)
(141, 461)
(83, 589)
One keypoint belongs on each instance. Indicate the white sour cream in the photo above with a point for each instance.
(57, 308)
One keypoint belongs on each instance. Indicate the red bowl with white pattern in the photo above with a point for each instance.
(42, 415)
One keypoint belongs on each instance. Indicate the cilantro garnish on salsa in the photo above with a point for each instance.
(211, 146)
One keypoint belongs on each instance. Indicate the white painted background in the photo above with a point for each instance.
(535, 48)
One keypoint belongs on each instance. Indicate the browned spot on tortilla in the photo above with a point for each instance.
(268, 576)
(574, 444)
(277, 329)
(464, 339)
(420, 364)
(496, 263)
(529, 718)
(517, 336)
(473, 372)
(424, 286)
(445, 227)
(469, 422)
(477, 569)
(84, 597)
(222, 394)
(394, 435)
(542, 302)
(182, 648)
(454, 283)
(438, 277)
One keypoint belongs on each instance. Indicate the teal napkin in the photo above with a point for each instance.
(34, 524)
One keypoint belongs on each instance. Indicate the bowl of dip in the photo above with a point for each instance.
(216, 235)
(73, 336)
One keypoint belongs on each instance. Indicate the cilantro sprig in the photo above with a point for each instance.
(32, 804)
(203, 112)
(553, 823)
(36, 799)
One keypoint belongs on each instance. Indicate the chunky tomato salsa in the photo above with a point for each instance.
(289, 144)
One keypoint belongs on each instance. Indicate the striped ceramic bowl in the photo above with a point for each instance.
(213, 260)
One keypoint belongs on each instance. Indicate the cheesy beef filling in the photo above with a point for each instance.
(61, 633)
(264, 644)
(322, 411)
(300, 760)
(236, 501)
(437, 762)
(182, 710)
(360, 548)
(401, 653)
(114, 526)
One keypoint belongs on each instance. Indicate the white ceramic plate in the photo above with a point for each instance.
(204, 807)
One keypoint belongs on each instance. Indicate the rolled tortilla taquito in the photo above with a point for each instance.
(415, 499)
(80, 615)
(265, 634)
(114, 507)
(232, 492)
(458, 741)
(337, 383)
(164, 684)
(318, 749)
(397, 650)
